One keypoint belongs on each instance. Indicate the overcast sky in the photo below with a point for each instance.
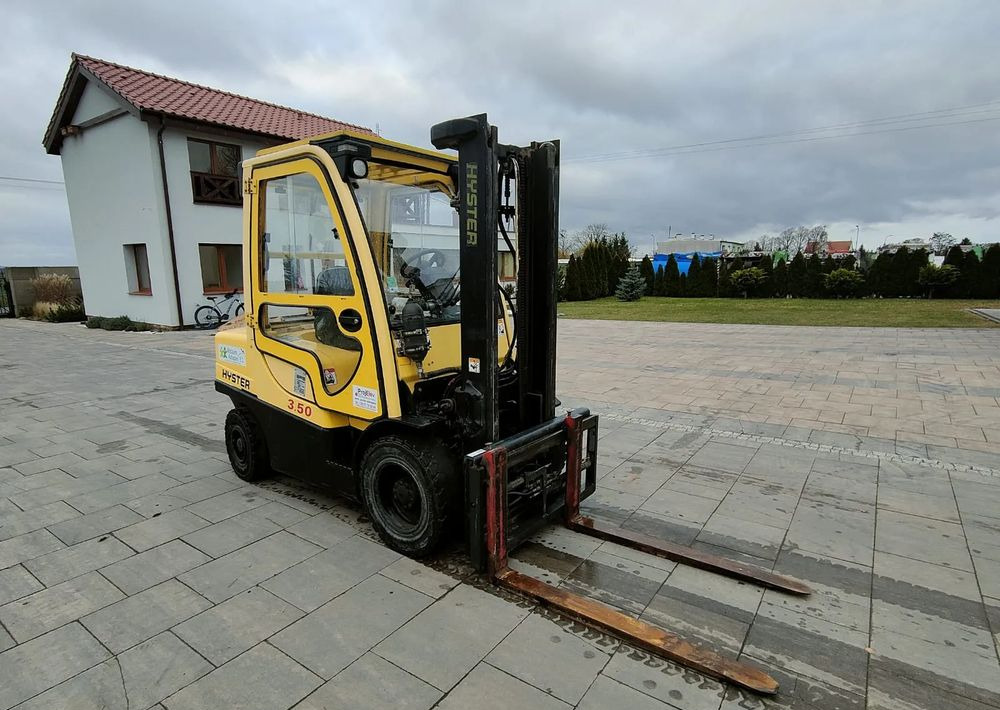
(608, 79)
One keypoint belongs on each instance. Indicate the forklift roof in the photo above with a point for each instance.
(381, 147)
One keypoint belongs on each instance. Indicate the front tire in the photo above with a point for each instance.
(246, 447)
(410, 490)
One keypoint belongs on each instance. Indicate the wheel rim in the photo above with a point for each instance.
(239, 448)
(399, 499)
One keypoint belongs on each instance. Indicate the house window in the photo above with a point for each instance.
(221, 267)
(215, 172)
(137, 269)
(505, 266)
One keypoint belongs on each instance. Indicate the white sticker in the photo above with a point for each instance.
(473, 364)
(329, 376)
(233, 354)
(365, 398)
(299, 382)
(501, 330)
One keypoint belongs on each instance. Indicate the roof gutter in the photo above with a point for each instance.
(170, 221)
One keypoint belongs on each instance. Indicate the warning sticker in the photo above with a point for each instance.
(299, 382)
(329, 376)
(233, 354)
(501, 330)
(473, 364)
(365, 398)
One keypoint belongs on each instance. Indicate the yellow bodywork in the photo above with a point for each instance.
(276, 355)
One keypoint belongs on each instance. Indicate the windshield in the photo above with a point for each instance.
(413, 228)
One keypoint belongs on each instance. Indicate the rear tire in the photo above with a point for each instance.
(246, 446)
(207, 317)
(410, 490)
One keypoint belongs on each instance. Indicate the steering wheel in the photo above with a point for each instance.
(437, 259)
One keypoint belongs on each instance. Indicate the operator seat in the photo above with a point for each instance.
(335, 281)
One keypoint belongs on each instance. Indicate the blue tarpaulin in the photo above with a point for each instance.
(683, 260)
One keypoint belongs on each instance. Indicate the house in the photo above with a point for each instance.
(682, 245)
(910, 244)
(152, 170)
(836, 249)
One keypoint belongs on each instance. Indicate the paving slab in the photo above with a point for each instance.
(141, 616)
(262, 678)
(338, 633)
(238, 571)
(159, 667)
(372, 683)
(236, 625)
(50, 608)
(37, 665)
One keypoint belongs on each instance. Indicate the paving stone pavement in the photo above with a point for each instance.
(136, 571)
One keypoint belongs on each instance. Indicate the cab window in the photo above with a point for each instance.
(302, 250)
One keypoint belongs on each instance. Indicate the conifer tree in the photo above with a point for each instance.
(766, 288)
(814, 276)
(878, 276)
(725, 286)
(693, 281)
(660, 282)
(631, 286)
(573, 279)
(955, 257)
(969, 278)
(646, 269)
(779, 279)
(797, 277)
(989, 273)
(709, 287)
(672, 278)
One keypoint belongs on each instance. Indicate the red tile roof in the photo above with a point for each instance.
(182, 99)
(843, 247)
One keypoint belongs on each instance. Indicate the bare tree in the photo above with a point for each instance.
(941, 242)
(594, 232)
(794, 239)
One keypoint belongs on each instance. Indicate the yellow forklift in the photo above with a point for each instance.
(379, 356)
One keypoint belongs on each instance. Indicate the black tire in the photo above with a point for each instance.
(410, 490)
(246, 446)
(239, 310)
(207, 317)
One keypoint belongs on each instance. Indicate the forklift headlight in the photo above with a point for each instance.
(359, 168)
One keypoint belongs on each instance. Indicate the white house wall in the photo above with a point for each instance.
(196, 224)
(113, 200)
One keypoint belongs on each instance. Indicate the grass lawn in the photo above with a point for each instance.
(893, 313)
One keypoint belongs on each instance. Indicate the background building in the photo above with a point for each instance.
(153, 178)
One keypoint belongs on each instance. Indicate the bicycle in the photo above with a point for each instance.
(209, 317)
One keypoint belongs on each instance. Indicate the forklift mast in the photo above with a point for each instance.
(529, 467)
(483, 164)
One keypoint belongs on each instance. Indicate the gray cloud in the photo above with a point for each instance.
(640, 76)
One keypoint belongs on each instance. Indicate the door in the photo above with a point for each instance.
(311, 306)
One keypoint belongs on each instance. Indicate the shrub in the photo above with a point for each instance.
(747, 281)
(939, 278)
(631, 286)
(843, 283)
(117, 323)
(67, 312)
(42, 309)
(53, 288)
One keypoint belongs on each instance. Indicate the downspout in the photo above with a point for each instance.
(170, 222)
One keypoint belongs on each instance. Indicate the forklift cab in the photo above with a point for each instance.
(352, 262)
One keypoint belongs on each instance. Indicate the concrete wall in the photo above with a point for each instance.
(20, 278)
(114, 200)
